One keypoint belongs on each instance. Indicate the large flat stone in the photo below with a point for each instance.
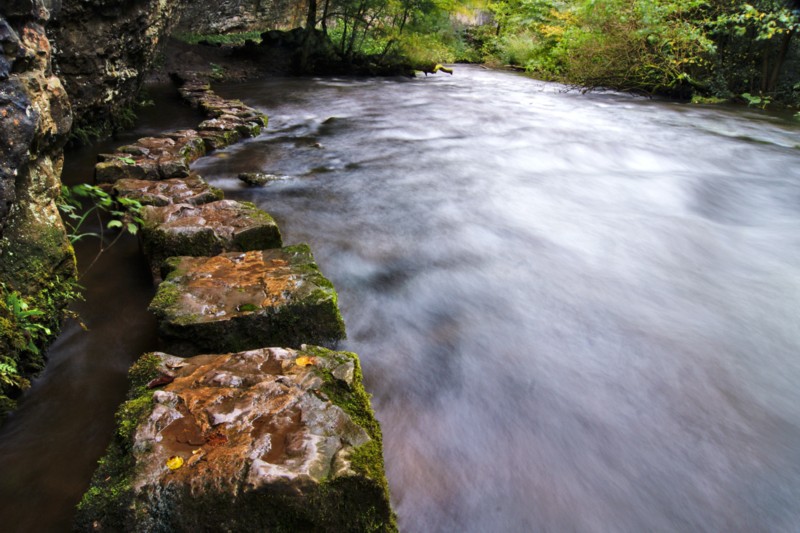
(192, 190)
(152, 158)
(271, 439)
(241, 301)
(205, 230)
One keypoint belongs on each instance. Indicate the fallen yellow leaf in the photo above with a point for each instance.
(304, 361)
(175, 462)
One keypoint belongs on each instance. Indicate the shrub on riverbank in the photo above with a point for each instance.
(711, 48)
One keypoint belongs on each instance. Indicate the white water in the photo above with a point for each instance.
(575, 312)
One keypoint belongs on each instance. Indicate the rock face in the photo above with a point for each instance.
(36, 259)
(206, 230)
(264, 440)
(231, 16)
(240, 301)
(105, 48)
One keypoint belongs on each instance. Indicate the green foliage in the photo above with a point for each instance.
(9, 374)
(26, 319)
(124, 212)
(217, 72)
(708, 48)
(756, 100)
(27, 325)
(233, 39)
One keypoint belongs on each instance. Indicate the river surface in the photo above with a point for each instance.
(575, 312)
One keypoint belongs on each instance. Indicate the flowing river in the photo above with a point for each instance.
(575, 312)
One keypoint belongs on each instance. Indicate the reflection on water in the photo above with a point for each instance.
(575, 312)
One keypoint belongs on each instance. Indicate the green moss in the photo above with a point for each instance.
(355, 401)
(193, 150)
(366, 460)
(227, 38)
(700, 99)
(249, 129)
(158, 245)
(111, 493)
(143, 372)
(166, 297)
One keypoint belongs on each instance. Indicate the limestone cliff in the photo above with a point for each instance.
(104, 50)
(36, 259)
(229, 16)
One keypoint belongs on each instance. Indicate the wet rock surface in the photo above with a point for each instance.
(192, 190)
(257, 179)
(205, 230)
(273, 439)
(263, 440)
(239, 301)
(152, 158)
(229, 120)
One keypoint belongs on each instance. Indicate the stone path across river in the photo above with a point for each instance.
(261, 431)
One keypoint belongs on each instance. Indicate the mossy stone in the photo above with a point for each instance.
(205, 230)
(234, 302)
(132, 490)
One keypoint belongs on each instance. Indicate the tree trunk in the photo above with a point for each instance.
(776, 70)
(325, 18)
(308, 40)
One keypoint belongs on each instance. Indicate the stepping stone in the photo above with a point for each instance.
(257, 179)
(152, 158)
(219, 139)
(242, 301)
(231, 123)
(114, 167)
(192, 190)
(271, 439)
(205, 230)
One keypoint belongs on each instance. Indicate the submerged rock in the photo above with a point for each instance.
(192, 190)
(257, 179)
(241, 301)
(263, 440)
(205, 230)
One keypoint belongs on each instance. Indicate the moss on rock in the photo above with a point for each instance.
(238, 476)
(205, 230)
(111, 493)
(235, 302)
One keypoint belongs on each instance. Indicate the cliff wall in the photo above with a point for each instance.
(232, 16)
(37, 263)
(104, 50)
